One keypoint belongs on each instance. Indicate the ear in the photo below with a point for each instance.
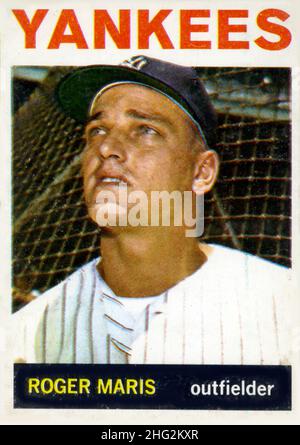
(206, 172)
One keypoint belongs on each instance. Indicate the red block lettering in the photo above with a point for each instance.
(187, 28)
(120, 36)
(283, 33)
(67, 18)
(225, 29)
(30, 27)
(146, 28)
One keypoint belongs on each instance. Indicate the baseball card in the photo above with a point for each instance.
(150, 212)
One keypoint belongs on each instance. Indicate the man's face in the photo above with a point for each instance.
(138, 137)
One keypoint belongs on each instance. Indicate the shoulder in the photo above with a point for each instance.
(231, 264)
(238, 276)
(49, 315)
(52, 296)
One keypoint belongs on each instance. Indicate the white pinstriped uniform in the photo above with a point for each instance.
(233, 310)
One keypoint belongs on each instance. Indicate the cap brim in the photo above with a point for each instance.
(76, 91)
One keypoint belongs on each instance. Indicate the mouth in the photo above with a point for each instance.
(113, 180)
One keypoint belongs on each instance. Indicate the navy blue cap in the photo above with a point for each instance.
(181, 84)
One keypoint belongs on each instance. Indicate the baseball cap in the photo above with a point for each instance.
(76, 92)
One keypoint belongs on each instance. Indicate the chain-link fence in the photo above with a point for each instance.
(249, 208)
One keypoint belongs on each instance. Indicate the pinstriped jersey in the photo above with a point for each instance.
(232, 310)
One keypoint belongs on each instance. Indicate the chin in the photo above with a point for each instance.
(110, 215)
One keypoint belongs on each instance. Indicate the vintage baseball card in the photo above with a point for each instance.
(150, 212)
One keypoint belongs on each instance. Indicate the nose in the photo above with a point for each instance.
(112, 146)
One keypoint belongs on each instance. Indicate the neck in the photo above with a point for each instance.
(149, 261)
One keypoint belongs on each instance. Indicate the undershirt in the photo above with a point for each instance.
(135, 305)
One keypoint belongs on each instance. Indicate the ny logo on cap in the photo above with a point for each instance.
(136, 62)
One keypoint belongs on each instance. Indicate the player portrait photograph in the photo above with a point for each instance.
(155, 294)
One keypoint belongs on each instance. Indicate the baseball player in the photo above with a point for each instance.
(155, 295)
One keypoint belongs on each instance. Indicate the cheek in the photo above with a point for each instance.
(165, 172)
(152, 170)
(90, 164)
(182, 177)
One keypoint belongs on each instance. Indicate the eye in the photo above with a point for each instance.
(96, 131)
(145, 129)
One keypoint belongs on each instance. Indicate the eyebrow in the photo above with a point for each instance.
(136, 114)
(93, 117)
(141, 115)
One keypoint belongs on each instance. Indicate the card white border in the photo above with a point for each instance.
(9, 415)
